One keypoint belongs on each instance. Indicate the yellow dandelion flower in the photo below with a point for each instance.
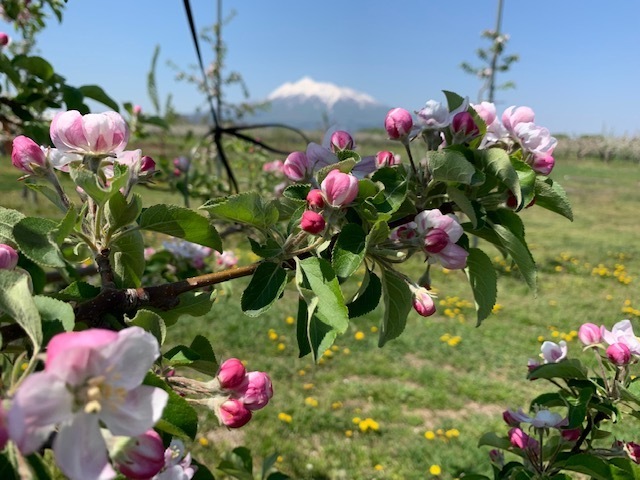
(336, 405)
(203, 441)
(24, 366)
(496, 308)
(558, 268)
(285, 417)
(378, 467)
(290, 320)
(356, 420)
(273, 335)
(328, 353)
(348, 433)
(440, 432)
(609, 297)
(429, 435)
(335, 348)
(553, 303)
(279, 459)
(435, 470)
(311, 402)
(540, 338)
(445, 338)
(374, 329)
(302, 373)
(452, 433)
(307, 386)
(281, 347)
(346, 351)
(359, 335)
(453, 341)
(555, 334)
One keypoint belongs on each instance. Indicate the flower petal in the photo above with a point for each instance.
(136, 413)
(80, 450)
(452, 257)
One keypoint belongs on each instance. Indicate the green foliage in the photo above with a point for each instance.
(266, 286)
(397, 305)
(246, 208)
(178, 417)
(16, 300)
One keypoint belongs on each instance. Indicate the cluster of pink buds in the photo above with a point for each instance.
(336, 191)
(623, 345)
(242, 392)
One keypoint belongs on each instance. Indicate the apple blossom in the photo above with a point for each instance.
(440, 232)
(589, 334)
(571, 434)
(233, 413)
(535, 139)
(315, 198)
(137, 109)
(26, 154)
(181, 163)
(91, 378)
(232, 374)
(618, 354)
(543, 164)
(339, 189)
(633, 450)
(398, 123)
(341, 140)
(312, 222)
(257, 392)
(434, 115)
(486, 111)
(8, 257)
(513, 116)
(4, 39)
(273, 167)
(296, 166)
(226, 259)
(139, 457)
(464, 126)
(95, 134)
(515, 418)
(554, 352)
(521, 440)
(177, 463)
(547, 419)
(622, 332)
(422, 301)
(386, 159)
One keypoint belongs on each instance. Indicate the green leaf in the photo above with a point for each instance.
(199, 356)
(49, 193)
(89, 182)
(394, 193)
(16, 300)
(349, 250)
(490, 439)
(367, 297)
(120, 213)
(527, 179)
(34, 238)
(297, 191)
(596, 467)
(151, 322)
(378, 233)
(268, 250)
(78, 292)
(483, 280)
(265, 287)
(57, 316)
(497, 162)
(96, 93)
(463, 202)
(322, 281)
(182, 223)
(127, 259)
(520, 254)
(195, 304)
(565, 369)
(453, 100)
(249, 208)
(66, 225)
(397, 305)
(178, 417)
(551, 195)
(345, 166)
(451, 165)
(8, 219)
(36, 66)
(314, 335)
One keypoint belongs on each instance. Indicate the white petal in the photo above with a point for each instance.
(80, 450)
(136, 413)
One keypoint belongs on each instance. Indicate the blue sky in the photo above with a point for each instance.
(579, 68)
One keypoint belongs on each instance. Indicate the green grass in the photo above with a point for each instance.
(420, 383)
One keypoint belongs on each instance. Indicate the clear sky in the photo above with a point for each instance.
(579, 68)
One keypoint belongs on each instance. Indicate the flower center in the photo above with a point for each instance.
(436, 240)
(97, 392)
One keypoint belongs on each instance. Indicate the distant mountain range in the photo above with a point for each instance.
(308, 104)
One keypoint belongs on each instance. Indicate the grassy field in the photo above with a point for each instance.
(425, 398)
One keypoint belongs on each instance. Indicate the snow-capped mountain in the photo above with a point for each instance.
(308, 104)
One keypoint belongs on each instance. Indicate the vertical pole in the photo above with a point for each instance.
(494, 59)
(218, 74)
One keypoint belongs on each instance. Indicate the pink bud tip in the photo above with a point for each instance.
(232, 374)
(8, 257)
(312, 222)
(619, 354)
(315, 198)
(4, 39)
(341, 140)
(398, 123)
(234, 414)
(590, 334)
(386, 159)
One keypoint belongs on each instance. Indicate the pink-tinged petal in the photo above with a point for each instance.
(120, 131)
(319, 156)
(80, 450)
(364, 167)
(88, 339)
(450, 225)
(136, 413)
(452, 256)
(39, 404)
(130, 357)
(428, 219)
(61, 160)
(66, 131)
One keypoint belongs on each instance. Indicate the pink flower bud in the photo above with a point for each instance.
(496, 457)
(296, 166)
(571, 434)
(423, 303)
(521, 440)
(181, 163)
(435, 240)
(633, 450)
(464, 125)
(147, 164)
(26, 153)
(4, 39)
(273, 167)
(486, 111)
(589, 334)
(226, 259)
(341, 140)
(141, 457)
(312, 222)
(232, 374)
(8, 257)
(233, 413)
(543, 164)
(554, 352)
(398, 123)
(315, 198)
(98, 134)
(339, 188)
(137, 109)
(619, 354)
(513, 419)
(386, 159)
(513, 116)
(258, 391)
